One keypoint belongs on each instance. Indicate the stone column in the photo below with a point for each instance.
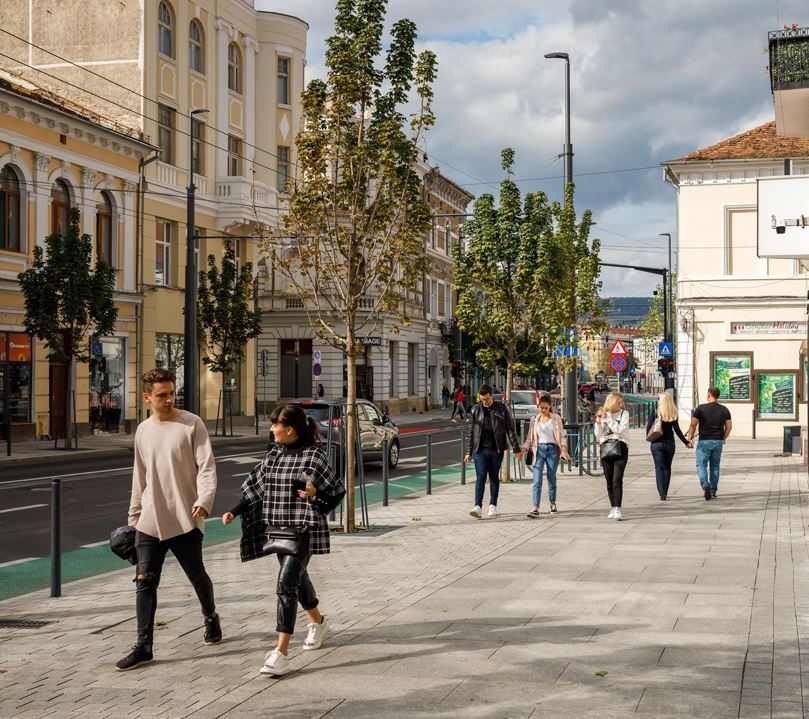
(43, 197)
(129, 258)
(224, 32)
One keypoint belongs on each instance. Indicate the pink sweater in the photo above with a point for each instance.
(174, 472)
(558, 433)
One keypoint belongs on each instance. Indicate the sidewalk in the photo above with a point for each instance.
(687, 607)
(98, 445)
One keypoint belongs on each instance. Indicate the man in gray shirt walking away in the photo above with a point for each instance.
(173, 488)
(713, 420)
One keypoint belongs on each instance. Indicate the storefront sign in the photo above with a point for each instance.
(731, 374)
(777, 396)
(19, 347)
(768, 328)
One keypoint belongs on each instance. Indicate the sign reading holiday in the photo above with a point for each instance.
(618, 363)
(618, 348)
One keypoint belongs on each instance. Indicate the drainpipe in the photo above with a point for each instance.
(139, 273)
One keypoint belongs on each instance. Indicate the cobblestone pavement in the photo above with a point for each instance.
(686, 607)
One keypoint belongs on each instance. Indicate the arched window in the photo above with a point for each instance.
(9, 209)
(60, 207)
(104, 229)
(234, 68)
(196, 47)
(165, 30)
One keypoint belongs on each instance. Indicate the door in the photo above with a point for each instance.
(58, 385)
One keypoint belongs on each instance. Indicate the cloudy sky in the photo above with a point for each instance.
(650, 81)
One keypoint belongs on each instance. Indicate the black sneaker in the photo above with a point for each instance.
(706, 491)
(213, 631)
(713, 495)
(662, 497)
(139, 655)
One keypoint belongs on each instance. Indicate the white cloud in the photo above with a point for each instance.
(649, 82)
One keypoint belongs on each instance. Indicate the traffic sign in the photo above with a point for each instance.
(618, 363)
(665, 349)
(316, 369)
(572, 351)
(618, 348)
(316, 356)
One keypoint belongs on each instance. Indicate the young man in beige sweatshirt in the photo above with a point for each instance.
(173, 488)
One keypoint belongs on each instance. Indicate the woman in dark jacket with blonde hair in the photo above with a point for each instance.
(294, 487)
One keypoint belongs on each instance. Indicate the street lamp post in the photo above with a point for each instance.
(571, 409)
(190, 379)
(669, 334)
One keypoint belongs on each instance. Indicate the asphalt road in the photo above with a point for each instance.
(95, 490)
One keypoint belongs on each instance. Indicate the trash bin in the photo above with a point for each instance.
(792, 439)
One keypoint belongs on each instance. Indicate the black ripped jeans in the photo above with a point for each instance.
(294, 586)
(187, 548)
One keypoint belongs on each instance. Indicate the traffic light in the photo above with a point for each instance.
(455, 369)
(661, 366)
(101, 365)
(665, 365)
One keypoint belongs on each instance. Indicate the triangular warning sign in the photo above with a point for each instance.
(618, 348)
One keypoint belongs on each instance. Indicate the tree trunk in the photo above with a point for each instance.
(505, 469)
(224, 405)
(349, 437)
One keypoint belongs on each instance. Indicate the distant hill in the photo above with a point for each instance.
(628, 311)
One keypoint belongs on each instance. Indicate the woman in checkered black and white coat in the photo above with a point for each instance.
(269, 498)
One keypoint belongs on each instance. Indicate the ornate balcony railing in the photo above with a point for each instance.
(789, 58)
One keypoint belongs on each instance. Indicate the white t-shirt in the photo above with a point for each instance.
(545, 433)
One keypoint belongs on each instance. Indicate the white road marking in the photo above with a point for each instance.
(18, 561)
(435, 444)
(19, 509)
(243, 460)
(96, 544)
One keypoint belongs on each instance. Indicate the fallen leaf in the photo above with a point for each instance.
(602, 673)
(415, 519)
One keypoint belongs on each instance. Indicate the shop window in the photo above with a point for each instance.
(60, 207)
(196, 47)
(9, 209)
(234, 68)
(107, 377)
(15, 378)
(104, 229)
(165, 30)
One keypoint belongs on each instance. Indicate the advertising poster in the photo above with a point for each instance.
(731, 375)
(776, 396)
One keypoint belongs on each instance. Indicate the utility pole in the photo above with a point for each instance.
(668, 298)
(190, 350)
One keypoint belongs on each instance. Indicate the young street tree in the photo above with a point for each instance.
(225, 321)
(67, 302)
(352, 246)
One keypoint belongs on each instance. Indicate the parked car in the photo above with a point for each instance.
(523, 404)
(374, 426)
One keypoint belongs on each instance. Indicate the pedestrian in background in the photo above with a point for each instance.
(445, 397)
(459, 407)
(714, 423)
(612, 432)
(546, 442)
(173, 489)
(488, 435)
(271, 497)
(663, 447)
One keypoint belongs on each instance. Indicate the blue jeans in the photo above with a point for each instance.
(548, 458)
(487, 464)
(709, 452)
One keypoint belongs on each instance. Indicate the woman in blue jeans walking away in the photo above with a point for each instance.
(546, 440)
(663, 448)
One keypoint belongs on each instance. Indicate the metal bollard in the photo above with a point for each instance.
(56, 537)
(463, 457)
(385, 472)
(581, 449)
(429, 464)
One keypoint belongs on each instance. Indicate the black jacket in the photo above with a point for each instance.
(502, 424)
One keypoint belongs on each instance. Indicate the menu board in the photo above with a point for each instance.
(777, 395)
(731, 374)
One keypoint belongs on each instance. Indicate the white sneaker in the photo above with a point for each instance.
(492, 510)
(316, 634)
(618, 514)
(476, 512)
(611, 515)
(275, 664)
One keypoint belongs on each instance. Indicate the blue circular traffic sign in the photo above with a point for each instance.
(618, 363)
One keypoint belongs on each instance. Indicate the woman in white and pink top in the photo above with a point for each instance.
(546, 439)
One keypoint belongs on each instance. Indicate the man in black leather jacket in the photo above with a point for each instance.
(487, 436)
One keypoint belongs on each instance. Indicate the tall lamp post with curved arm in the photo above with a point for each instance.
(571, 409)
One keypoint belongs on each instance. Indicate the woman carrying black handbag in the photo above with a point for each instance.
(663, 442)
(612, 432)
(284, 504)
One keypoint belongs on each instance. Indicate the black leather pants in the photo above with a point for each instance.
(293, 586)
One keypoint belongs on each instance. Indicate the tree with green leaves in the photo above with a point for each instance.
(224, 318)
(493, 274)
(351, 246)
(67, 302)
(567, 280)
(651, 328)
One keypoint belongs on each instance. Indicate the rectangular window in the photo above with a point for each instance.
(448, 302)
(162, 265)
(282, 163)
(740, 238)
(198, 146)
(412, 350)
(393, 389)
(433, 298)
(283, 81)
(442, 298)
(199, 236)
(165, 133)
(234, 156)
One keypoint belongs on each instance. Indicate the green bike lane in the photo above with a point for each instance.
(34, 574)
